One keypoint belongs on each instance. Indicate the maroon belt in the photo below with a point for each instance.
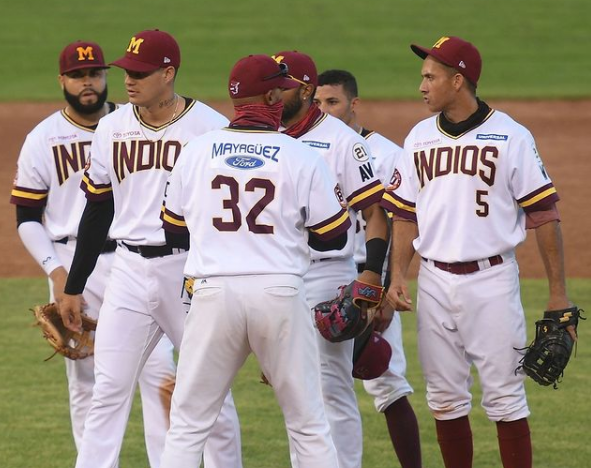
(465, 268)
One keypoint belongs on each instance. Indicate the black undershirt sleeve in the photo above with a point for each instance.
(336, 243)
(28, 213)
(92, 234)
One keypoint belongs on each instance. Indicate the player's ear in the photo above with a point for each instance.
(354, 103)
(60, 80)
(170, 74)
(273, 96)
(307, 92)
(458, 81)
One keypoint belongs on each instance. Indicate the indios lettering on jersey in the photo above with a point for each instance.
(267, 151)
(469, 160)
(68, 162)
(141, 155)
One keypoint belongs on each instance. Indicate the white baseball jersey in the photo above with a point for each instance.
(50, 168)
(258, 197)
(384, 157)
(131, 163)
(50, 171)
(348, 157)
(487, 172)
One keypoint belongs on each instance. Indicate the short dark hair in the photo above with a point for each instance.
(340, 77)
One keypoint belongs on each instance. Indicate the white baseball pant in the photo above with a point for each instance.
(142, 300)
(472, 319)
(231, 317)
(154, 380)
(322, 283)
(392, 384)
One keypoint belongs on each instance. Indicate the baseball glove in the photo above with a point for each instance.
(547, 356)
(349, 314)
(70, 344)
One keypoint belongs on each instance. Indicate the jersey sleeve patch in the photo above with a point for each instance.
(95, 192)
(540, 198)
(28, 197)
(333, 226)
(399, 207)
(366, 196)
(173, 222)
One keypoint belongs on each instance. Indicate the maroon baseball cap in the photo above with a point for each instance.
(256, 74)
(456, 53)
(81, 54)
(150, 50)
(301, 66)
(374, 359)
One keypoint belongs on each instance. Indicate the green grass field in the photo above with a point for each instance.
(35, 429)
(531, 48)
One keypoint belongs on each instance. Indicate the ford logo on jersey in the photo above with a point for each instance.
(244, 162)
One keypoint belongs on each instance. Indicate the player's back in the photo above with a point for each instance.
(247, 198)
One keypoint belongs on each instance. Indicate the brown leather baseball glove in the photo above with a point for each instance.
(70, 344)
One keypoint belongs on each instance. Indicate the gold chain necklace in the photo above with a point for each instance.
(166, 125)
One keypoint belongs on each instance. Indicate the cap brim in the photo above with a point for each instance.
(288, 83)
(83, 67)
(423, 52)
(420, 51)
(134, 65)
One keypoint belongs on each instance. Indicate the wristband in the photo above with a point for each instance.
(376, 250)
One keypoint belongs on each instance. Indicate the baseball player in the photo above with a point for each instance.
(337, 95)
(133, 151)
(251, 194)
(49, 204)
(470, 183)
(359, 187)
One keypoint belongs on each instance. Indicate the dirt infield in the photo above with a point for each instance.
(560, 129)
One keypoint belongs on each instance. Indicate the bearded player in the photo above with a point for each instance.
(348, 157)
(337, 95)
(49, 204)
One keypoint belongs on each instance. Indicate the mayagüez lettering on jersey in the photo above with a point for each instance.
(240, 149)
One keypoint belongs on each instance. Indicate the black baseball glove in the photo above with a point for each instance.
(349, 314)
(547, 356)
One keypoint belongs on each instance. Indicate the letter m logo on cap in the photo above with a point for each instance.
(440, 42)
(84, 53)
(134, 45)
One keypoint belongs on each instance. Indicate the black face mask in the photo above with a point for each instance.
(86, 109)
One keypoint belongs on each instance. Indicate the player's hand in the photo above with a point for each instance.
(398, 296)
(70, 308)
(383, 317)
(562, 302)
(370, 277)
(58, 278)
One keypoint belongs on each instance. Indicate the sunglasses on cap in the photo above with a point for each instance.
(283, 70)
